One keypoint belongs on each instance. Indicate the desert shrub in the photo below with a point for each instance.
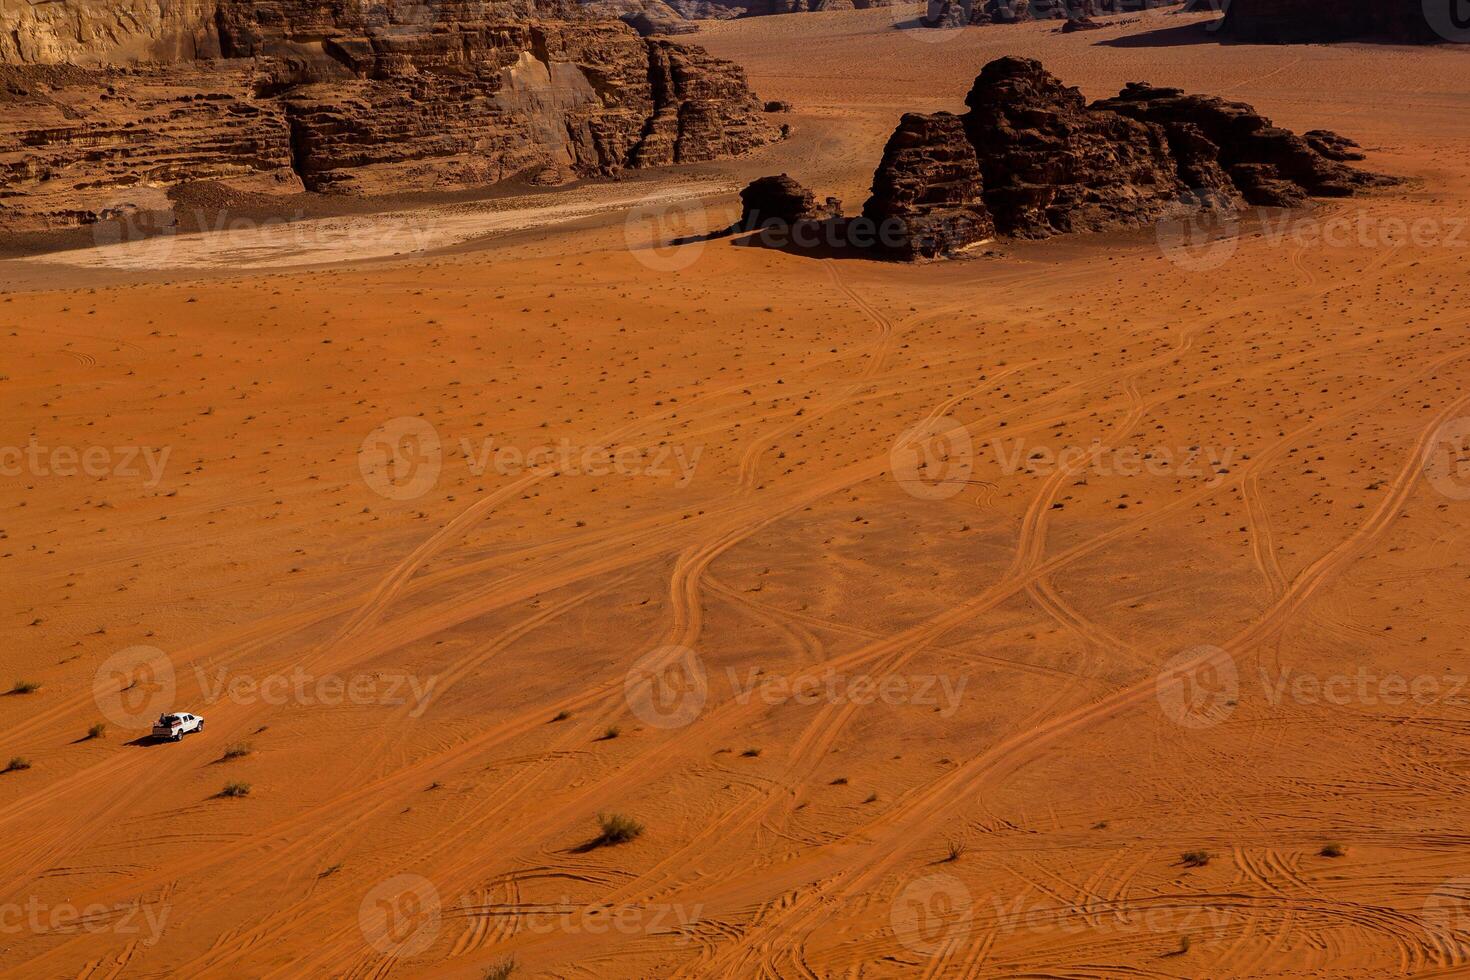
(501, 970)
(235, 788)
(617, 828)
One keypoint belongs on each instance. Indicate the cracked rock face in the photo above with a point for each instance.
(1031, 159)
(365, 98)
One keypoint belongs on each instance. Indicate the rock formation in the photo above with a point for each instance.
(1031, 159)
(1269, 165)
(783, 201)
(359, 98)
(1303, 22)
(928, 185)
(1051, 165)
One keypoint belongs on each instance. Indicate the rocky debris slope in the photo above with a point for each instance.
(1303, 22)
(367, 99)
(1031, 159)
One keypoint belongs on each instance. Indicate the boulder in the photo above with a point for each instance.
(783, 201)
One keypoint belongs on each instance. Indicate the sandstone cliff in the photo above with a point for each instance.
(358, 98)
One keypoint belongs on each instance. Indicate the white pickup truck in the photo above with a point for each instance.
(175, 726)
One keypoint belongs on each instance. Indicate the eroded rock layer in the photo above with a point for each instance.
(360, 98)
(1031, 159)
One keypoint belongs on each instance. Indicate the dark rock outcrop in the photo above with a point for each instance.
(1051, 165)
(1031, 159)
(928, 191)
(358, 98)
(1306, 22)
(1271, 166)
(784, 201)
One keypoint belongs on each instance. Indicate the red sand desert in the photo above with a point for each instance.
(542, 521)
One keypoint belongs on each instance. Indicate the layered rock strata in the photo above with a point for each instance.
(368, 98)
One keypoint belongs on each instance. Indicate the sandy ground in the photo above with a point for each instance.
(924, 618)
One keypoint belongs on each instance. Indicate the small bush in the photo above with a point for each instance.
(750, 753)
(238, 750)
(562, 716)
(25, 687)
(610, 733)
(1184, 944)
(1333, 850)
(1195, 859)
(18, 764)
(96, 731)
(235, 788)
(954, 851)
(617, 829)
(501, 970)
